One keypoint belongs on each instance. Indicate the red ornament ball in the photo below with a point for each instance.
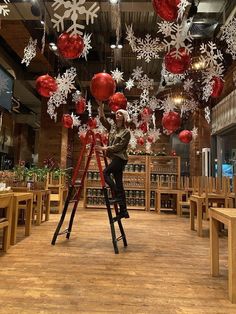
(143, 127)
(150, 138)
(140, 140)
(117, 101)
(67, 121)
(80, 105)
(185, 136)
(102, 86)
(166, 9)
(146, 114)
(217, 88)
(171, 121)
(46, 85)
(92, 123)
(177, 65)
(70, 46)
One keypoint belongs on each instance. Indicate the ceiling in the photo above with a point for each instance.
(22, 22)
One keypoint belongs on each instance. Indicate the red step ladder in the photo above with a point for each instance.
(76, 187)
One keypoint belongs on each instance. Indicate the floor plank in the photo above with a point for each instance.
(164, 269)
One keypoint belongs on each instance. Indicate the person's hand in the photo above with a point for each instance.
(100, 148)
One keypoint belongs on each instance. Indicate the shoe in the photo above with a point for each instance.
(123, 214)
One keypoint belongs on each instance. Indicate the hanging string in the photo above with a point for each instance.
(44, 33)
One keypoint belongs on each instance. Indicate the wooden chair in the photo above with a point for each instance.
(58, 191)
(6, 203)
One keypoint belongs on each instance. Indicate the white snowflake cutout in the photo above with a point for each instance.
(29, 51)
(165, 28)
(129, 84)
(134, 108)
(145, 83)
(76, 121)
(4, 9)
(153, 103)
(74, 9)
(181, 8)
(229, 34)
(66, 81)
(148, 48)
(144, 97)
(137, 73)
(117, 75)
(87, 46)
(207, 90)
(207, 114)
(188, 85)
(51, 111)
(167, 104)
(194, 132)
(133, 140)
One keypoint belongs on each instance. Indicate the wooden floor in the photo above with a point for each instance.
(165, 269)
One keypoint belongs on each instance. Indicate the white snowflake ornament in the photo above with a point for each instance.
(87, 46)
(117, 75)
(153, 103)
(188, 85)
(167, 104)
(29, 51)
(207, 114)
(66, 82)
(229, 34)
(182, 7)
(4, 9)
(145, 83)
(165, 28)
(148, 48)
(194, 132)
(137, 73)
(74, 9)
(76, 121)
(129, 84)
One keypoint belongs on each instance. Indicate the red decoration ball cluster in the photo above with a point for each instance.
(70, 46)
(185, 136)
(171, 121)
(46, 85)
(117, 101)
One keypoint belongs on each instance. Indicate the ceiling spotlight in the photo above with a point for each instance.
(42, 22)
(119, 46)
(113, 46)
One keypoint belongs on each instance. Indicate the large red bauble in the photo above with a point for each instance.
(177, 65)
(46, 85)
(217, 87)
(171, 121)
(166, 9)
(92, 123)
(185, 136)
(67, 121)
(117, 101)
(146, 114)
(70, 46)
(102, 86)
(80, 105)
(150, 138)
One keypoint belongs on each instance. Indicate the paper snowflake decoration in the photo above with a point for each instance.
(4, 9)
(3, 84)
(87, 46)
(129, 84)
(207, 90)
(76, 96)
(179, 38)
(207, 114)
(51, 111)
(229, 34)
(29, 51)
(156, 134)
(148, 147)
(182, 7)
(83, 128)
(148, 48)
(194, 132)
(144, 97)
(134, 108)
(188, 106)
(145, 83)
(165, 28)
(167, 104)
(66, 82)
(170, 78)
(133, 140)
(89, 108)
(76, 120)
(130, 37)
(188, 85)
(117, 75)
(153, 103)
(74, 9)
(58, 98)
(137, 73)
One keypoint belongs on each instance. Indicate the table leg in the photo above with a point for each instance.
(177, 205)
(28, 216)
(232, 261)
(214, 246)
(39, 209)
(199, 218)
(47, 206)
(14, 222)
(192, 206)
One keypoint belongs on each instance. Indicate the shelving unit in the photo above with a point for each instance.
(135, 184)
(164, 174)
(142, 176)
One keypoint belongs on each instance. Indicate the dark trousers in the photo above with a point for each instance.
(116, 168)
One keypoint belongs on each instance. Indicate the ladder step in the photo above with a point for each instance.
(64, 232)
(119, 238)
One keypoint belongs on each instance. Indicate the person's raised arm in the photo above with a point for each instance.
(101, 115)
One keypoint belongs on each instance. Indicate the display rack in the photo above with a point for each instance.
(164, 174)
(135, 184)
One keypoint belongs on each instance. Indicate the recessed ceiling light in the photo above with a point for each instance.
(113, 1)
(119, 46)
(113, 46)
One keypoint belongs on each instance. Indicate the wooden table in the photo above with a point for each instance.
(17, 198)
(226, 216)
(159, 192)
(197, 201)
(6, 202)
